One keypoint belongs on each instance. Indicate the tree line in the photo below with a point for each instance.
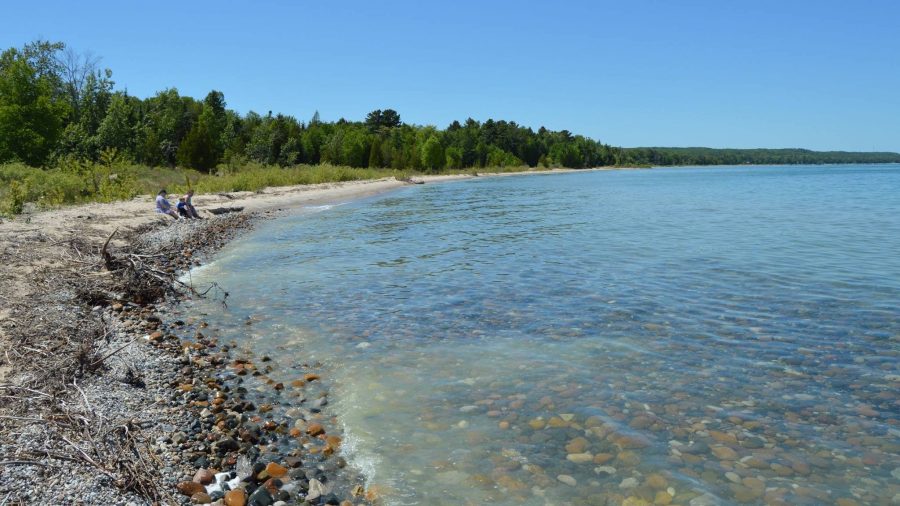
(57, 104)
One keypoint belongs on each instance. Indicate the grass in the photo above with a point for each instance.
(76, 182)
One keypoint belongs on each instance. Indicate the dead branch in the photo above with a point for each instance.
(107, 258)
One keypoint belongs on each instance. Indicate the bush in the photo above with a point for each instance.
(74, 181)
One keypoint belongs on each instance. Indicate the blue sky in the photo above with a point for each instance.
(814, 74)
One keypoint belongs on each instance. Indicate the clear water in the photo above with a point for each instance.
(717, 335)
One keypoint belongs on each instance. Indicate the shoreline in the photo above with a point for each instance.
(155, 394)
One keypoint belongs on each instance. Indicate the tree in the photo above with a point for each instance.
(433, 153)
(454, 158)
(116, 130)
(375, 153)
(75, 69)
(31, 114)
(198, 149)
(378, 119)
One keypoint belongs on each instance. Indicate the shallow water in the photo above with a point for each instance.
(717, 335)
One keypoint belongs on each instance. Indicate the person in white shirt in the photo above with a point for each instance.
(163, 206)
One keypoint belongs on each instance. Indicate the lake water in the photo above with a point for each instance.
(687, 336)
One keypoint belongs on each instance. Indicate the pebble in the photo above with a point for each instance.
(605, 470)
(630, 482)
(580, 458)
(603, 458)
(190, 488)
(577, 445)
(204, 476)
(235, 497)
(261, 497)
(275, 470)
(201, 498)
(316, 490)
(704, 500)
(724, 453)
(657, 481)
(662, 498)
(568, 480)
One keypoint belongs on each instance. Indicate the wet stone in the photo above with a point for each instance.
(567, 479)
(201, 498)
(580, 458)
(235, 497)
(260, 497)
(189, 488)
(724, 453)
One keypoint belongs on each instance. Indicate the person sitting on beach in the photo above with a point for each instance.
(163, 206)
(182, 208)
(191, 210)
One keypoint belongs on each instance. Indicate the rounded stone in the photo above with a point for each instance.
(236, 497)
(568, 480)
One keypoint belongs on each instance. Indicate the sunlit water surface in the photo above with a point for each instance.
(709, 335)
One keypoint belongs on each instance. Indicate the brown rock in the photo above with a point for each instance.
(745, 494)
(781, 470)
(627, 458)
(723, 437)
(190, 488)
(333, 441)
(236, 497)
(201, 498)
(204, 476)
(866, 411)
(314, 429)
(724, 453)
(577, 445)
(311, 377)
(276, 470)
(603, 458)
(662, 498)
(557, 422)
(640, 422)
(756, 463)
(657, 481)
(629, 442)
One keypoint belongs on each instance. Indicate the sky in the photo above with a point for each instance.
(821, 75)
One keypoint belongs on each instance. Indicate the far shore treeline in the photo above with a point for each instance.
(66, 135)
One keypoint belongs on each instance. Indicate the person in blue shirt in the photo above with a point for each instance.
(183, 209)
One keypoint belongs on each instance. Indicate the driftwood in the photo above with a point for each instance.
(56, 339)
(411, 180)
(225, 210)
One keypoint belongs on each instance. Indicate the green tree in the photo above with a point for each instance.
(375, 153)
(116, 130)
(198, 149)
(32, 114)
(433, 153)
(378, 119)
(454, 157)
